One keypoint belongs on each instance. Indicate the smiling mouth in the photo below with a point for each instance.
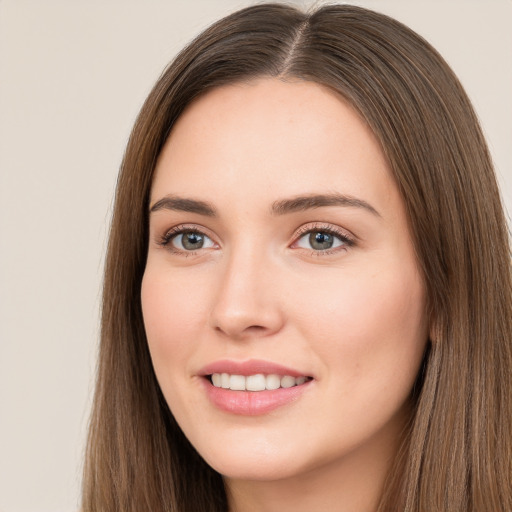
(257, 382)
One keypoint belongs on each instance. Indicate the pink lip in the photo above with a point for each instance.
(250, 367)
(251, 403)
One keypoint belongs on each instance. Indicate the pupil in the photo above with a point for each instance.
(320, 241)
(192, 241)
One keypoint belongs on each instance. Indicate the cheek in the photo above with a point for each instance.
(368, 326)
(354, 303)
(173, 317)
(173, 321)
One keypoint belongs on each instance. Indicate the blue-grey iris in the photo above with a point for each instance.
(320, 240)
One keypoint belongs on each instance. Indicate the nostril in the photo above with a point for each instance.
(255, 328)
(244, 332)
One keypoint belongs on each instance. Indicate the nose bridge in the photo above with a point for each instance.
(246, 303)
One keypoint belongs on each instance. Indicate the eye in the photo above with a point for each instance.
(322, 239)
(185, 240)
(190, 241)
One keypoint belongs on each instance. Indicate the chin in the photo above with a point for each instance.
(243, 463)
(251, 471)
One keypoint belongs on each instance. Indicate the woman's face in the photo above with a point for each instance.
(280, 260)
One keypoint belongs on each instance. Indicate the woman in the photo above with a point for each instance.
(307, 290)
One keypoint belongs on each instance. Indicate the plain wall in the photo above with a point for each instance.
(73, 75)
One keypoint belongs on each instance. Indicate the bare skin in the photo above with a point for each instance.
(277, 234)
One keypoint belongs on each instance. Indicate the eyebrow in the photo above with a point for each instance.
(281, 207)
(308, 202)
(182, 204)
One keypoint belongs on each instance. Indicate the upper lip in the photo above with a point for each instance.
(250, 367)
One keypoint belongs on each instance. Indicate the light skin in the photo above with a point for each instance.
(258, 284)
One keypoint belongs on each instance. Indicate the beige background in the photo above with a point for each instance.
(73, 75)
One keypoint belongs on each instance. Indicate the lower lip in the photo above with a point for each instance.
(253, 403)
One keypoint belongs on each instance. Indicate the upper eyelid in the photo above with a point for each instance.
(163, 238)
(323, 226)
(185, 227)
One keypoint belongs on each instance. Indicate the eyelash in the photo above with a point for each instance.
(347, 241)
(165, 240)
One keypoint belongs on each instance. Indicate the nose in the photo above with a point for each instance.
(247, 300)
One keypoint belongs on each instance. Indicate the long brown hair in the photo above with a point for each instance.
(456, 454)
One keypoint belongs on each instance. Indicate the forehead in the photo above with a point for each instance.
(269, 135)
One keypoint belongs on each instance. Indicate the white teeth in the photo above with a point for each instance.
(273, 382)
(217, 380)
(300, 380)
(237, 382)
(258, 382)
(255, 382)
(287, 381)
